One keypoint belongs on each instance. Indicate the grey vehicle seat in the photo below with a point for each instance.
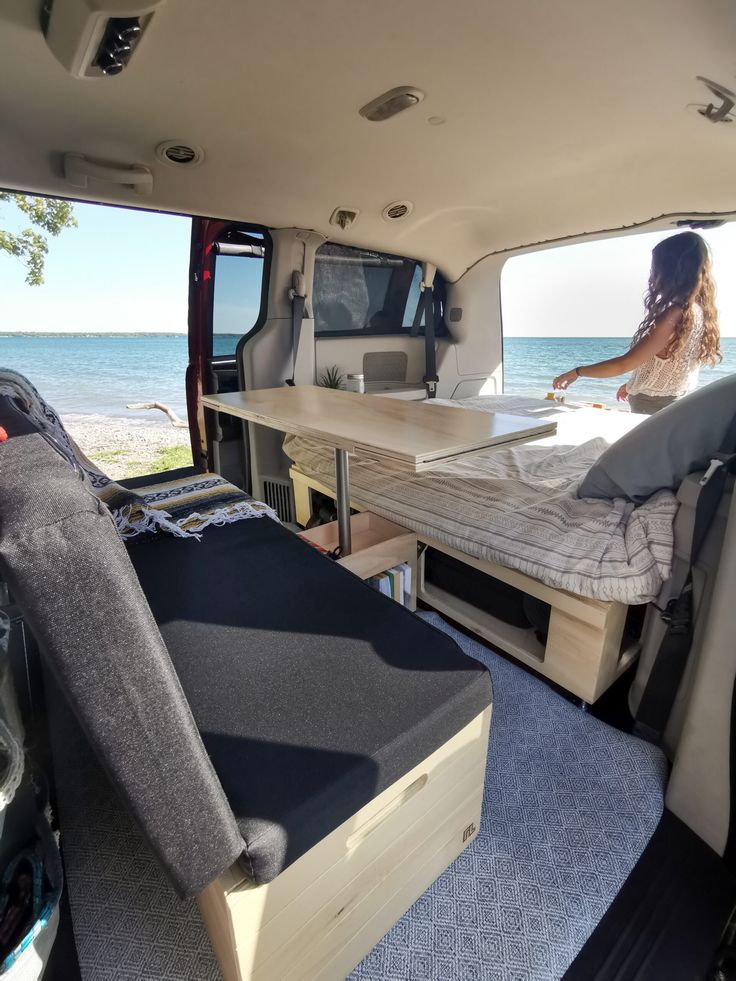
(290, 693)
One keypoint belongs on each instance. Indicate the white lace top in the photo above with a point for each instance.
(671, 376)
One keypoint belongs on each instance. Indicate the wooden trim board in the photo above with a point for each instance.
(583, 653)
(410, 434)
(324, 913)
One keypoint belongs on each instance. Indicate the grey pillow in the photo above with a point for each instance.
(666, 447)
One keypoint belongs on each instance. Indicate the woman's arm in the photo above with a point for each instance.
(650, 345)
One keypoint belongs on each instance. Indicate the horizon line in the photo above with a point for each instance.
(172, 333)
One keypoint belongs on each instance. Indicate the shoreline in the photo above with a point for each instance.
(123, 446)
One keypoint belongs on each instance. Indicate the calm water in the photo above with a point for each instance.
(100, 374)
(530, 364)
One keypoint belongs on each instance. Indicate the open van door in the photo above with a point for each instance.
(228, 277)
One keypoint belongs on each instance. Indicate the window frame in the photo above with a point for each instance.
(405, 330)
(236, 226)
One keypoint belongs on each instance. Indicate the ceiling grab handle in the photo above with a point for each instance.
(79, 170)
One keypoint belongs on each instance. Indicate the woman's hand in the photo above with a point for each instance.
(622, 395)
(565, 380)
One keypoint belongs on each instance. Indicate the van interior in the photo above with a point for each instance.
(406, 676)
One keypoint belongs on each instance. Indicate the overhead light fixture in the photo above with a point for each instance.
(391, 103)
(95, 38)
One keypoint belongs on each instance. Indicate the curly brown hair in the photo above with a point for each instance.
(682, 276)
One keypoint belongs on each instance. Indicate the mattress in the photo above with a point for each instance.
(518, 507)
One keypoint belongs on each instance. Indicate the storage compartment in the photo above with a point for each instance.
(485, 592)
(377, 545)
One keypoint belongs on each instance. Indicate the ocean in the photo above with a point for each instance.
(530, 364)
(99, 374)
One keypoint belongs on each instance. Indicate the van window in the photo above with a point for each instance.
(359, 292)
(239, 289)
(582, 303)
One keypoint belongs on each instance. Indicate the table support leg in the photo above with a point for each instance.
(342, 488)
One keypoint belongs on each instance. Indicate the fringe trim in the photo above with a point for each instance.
(14, 767)
(136, 519)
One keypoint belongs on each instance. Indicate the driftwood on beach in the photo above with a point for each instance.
(175, 420)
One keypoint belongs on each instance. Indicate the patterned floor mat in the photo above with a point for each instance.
(569, 805)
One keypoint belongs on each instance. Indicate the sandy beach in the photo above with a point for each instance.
(129, 447)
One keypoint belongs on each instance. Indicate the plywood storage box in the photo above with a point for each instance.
(321, 916)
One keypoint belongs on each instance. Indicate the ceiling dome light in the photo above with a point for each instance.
(391, 103)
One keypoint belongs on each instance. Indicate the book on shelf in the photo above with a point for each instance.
(394, 583)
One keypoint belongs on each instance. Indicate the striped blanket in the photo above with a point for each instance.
(183, 507)
(519, 508)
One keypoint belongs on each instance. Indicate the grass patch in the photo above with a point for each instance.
(126, 463)
(109, 456)
(172, 457)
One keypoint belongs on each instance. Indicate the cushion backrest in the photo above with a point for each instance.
(71, 576)
(662, 450)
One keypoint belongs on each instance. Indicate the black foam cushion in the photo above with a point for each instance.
(312, 692)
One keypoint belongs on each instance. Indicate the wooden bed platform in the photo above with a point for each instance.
(585, 650)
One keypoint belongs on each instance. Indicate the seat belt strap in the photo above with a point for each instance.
(671, 659)
(298, 297)
(426, 306)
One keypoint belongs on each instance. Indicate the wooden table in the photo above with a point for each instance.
(414, 435)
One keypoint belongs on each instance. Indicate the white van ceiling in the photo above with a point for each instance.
(542, 118)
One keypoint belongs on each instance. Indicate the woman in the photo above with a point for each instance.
(679, 331)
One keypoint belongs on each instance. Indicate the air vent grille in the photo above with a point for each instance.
(397, 210)
(279, 495)
(180, 154)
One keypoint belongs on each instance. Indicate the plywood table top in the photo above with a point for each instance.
(412, 434)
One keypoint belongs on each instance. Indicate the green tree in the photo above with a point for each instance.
(29, 245)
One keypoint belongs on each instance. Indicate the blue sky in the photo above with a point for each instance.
(118, 271)
(125, 271)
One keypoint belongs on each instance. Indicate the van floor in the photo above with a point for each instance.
(569, 805)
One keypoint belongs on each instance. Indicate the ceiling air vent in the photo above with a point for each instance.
(397, 210)
(179, 154)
